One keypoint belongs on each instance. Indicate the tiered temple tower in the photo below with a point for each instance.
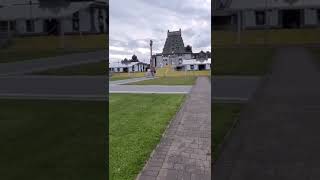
(174, 43)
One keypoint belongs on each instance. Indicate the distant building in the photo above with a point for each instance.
(197, 65)
(87, 17)
(260, 14)
(128, 67)
(175, 53)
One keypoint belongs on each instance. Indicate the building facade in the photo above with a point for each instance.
(260, 14)
(89, 17)
(175, 53)
(128, 67)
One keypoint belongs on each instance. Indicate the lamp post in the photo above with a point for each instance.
(151, 61)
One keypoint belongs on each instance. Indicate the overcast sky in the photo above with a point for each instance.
(134, 23)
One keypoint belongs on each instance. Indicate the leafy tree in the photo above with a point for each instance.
(188, 48)
(125, 61)
(134, 58)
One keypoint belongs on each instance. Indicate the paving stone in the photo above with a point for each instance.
(185, 147)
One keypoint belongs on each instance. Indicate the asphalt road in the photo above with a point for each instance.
(278, 135)
(234, 88)
(96, 86)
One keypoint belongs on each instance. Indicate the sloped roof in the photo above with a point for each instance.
(15, 12)
(262, 4)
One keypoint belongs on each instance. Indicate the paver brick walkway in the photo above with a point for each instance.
(278, 135)
(184, 150)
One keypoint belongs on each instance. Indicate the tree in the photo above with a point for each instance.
(188, 48)
(134, 58)
(125, 61)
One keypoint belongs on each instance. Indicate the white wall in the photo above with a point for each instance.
(85, 21)
(159, 60)
(67, 24)
(38, 26)
(310, 17)
(249, 18)
(21, 26)
(273, 17)
(187, 56)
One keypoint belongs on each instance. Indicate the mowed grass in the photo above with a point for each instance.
(169, 72)
(223, 117)
(122, 76)
(268, 37)
(168, 76)
(88, 69)
(52, 139)
(26, 48)
(242, 61)
(136, 124)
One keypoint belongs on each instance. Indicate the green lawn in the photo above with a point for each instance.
(119, 78)
(136, 124)
(223, 117)
(242, 61)
(7, 56)
(269, 37)
(98, 68)
(26, 48)
(188, 80)
(122, 76)
(52, 139)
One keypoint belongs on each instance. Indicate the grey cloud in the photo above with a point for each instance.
(134, 23)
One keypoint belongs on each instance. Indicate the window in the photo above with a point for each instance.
(12, 25)
(118, 69)
(30, 25)
(318, 12)
(260, 17)
(100, 20)
(75, 21)
(192, 67)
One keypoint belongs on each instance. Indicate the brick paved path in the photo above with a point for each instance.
(184, 151)
(278, 135)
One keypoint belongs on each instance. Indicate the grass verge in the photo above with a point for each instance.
(268, 37)
(122, 76)
(136, 124)
(167, 81)
(37, 132)
(89, 69)
(223, 117)
(27, 48)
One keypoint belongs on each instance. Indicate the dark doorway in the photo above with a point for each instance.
(51, 26)
(125, 69)
(201, 67)
(291, 18)
(223, 22)
(180, 68)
